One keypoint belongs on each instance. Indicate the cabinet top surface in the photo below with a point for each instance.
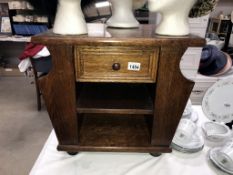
(101, 34)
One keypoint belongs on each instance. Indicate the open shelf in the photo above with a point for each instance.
(114, 133)
(114, 98)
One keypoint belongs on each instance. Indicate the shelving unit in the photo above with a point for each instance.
(28, 27)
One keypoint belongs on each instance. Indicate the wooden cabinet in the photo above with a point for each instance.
(116, 89)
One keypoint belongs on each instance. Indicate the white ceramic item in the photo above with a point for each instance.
(174, 16)
(193, 116)
(196, 144)
(188, 109)
(222, 157)
(122, 14)
(187, 137)
(189, 113)
(227, 151)
(184, 131)
(216, 132)
(217, 103)
(69, 18)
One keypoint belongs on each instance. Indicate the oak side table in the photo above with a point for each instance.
(115, 89)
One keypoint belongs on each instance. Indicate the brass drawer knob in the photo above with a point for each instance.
(116, 66)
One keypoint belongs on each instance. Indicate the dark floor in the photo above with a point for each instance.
(23, 130)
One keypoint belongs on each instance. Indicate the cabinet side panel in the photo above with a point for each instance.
(172, 93)
(58, 90)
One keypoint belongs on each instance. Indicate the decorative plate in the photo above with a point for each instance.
(217, 103)
(216, 132)
(219, 161)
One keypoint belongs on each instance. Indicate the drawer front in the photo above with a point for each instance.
(116, 64)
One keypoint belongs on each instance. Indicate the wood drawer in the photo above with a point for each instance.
(116, 64)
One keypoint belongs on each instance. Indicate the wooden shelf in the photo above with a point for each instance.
(114, 98)
(114, 133)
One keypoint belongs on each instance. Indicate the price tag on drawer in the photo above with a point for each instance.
(134, 66)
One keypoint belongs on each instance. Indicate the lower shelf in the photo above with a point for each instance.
(114, 99)
(151, 149)
(115, 133)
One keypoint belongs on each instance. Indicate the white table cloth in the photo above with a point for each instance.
(52, 162)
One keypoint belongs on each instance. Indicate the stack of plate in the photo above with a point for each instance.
(187, 138)
(196, 144)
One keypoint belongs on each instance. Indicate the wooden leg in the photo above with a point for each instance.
(38, 93)
(156, 154)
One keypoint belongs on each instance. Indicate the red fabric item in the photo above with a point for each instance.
(30, 50)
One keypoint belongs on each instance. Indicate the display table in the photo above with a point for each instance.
(51, 161)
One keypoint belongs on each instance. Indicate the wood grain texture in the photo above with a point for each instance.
(138, 149)
(58, 90)
(115, 133)
(103, 36)
(95, 64)
(172, 93)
